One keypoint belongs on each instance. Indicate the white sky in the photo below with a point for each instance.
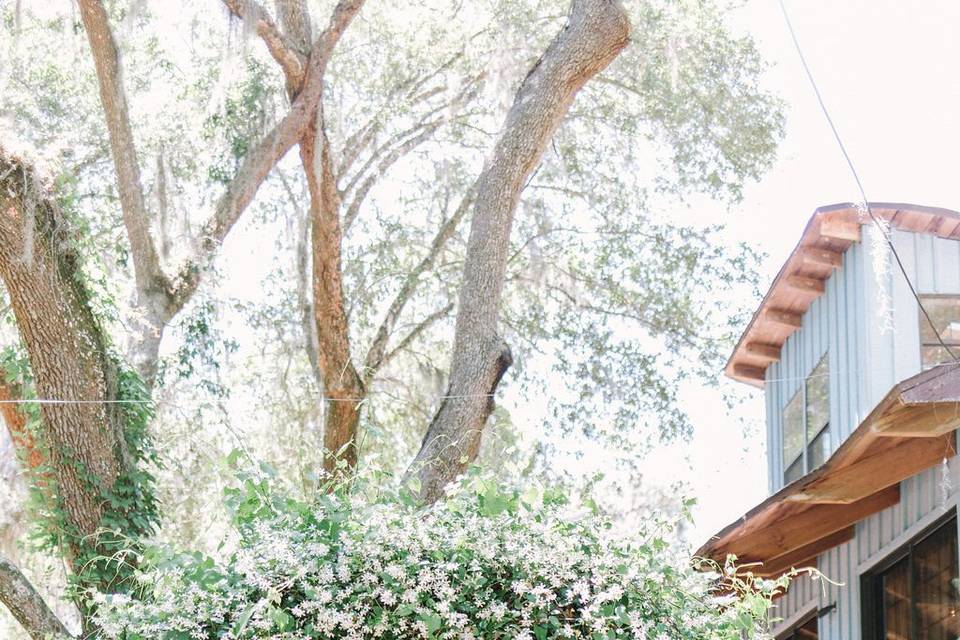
(890, 74)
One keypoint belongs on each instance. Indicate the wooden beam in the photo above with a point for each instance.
(746, 371)
(821, 257)
(803, 525)
(805, 556)
(864, 477)
(929, 421)
(840, 230)
(784, 317)
(763, 351)
(805, 284)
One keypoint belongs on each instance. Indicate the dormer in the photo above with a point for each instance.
(839, 327)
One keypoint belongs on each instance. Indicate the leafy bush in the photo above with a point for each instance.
(486, 563)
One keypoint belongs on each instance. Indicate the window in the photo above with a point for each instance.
(806, 630)
(914, 596)
(806, 425)
(944, 312)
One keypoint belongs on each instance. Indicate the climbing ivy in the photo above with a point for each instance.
(105, 561)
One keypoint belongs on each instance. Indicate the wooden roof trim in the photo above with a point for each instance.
(801, 280)
(855, 482)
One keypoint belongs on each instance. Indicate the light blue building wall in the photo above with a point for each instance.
(870, 349)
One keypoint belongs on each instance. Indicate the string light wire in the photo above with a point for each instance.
(866, 203)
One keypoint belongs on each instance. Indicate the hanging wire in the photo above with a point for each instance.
(866, 203)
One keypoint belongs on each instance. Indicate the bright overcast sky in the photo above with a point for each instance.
(890, 74)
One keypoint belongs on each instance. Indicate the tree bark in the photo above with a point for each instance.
(16, 422)
(161, 297)
(67, 351)
(595, 33)
(152, 285)
(343, 389)
(27, 606)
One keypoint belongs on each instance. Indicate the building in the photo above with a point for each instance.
(862, 402)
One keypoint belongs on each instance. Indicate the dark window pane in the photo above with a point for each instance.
(818, 399)
(793, 430)
(918, 595)
(895, 583)
(819, 449)
(794, 471)
(935, 573)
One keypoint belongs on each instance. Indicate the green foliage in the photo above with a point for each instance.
(106, 561)
(490, 562)
(240, 121)
(202, 352)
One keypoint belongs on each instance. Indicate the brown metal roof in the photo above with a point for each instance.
(829, 233)
(910, 430)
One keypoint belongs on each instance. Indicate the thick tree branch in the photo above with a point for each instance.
(258, 163)
(341, 383)
(150, 279)
(375, 355)
(288, 53)
(27, 606)
(159, 297)
(295, 20)
(595, 33)
(342, 386)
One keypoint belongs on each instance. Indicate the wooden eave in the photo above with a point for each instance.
(829, 233)
(909, 431)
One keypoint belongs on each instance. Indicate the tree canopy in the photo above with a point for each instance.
(333, 234)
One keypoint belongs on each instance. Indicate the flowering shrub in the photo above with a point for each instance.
(487, 563)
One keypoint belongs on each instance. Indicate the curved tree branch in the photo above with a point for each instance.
(595, 33)
(27, 606)
(289, 53)
(162, 298)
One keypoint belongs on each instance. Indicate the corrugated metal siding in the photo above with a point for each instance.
(869, 353)
(876, 537)
(833, 323)
(870, 350)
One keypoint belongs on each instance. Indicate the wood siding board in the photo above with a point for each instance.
(838, 363)
(769, 394)
(846, 344)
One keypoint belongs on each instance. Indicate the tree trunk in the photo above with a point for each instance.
(153, 286)
(342, 387)
(68, 357)
(595, 33)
